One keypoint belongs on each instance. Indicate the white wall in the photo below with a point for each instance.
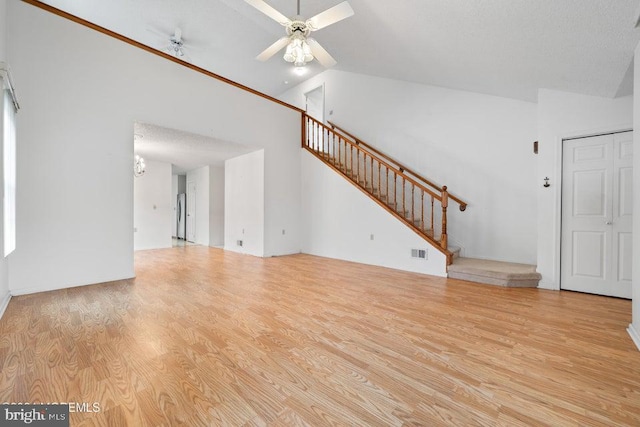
(3, 31)
(152, 205)
(282, 201)
(634, 328)
(4, 275)
(480, 146)
(216, 205)
(562, 115)
(75, 198)
(244, 203)
(200, 177)
(338, 221)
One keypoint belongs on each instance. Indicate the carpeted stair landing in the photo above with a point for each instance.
(497, 273)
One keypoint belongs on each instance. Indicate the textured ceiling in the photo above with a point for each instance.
(185, 151)
(502, 47)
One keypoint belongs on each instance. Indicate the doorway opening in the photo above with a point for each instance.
(180, 198)
(314, 103)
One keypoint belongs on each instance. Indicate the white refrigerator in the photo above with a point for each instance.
(181, 216)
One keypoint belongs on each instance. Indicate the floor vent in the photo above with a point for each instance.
(419, 253)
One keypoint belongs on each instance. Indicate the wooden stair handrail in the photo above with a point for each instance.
(463, 204)
(440, 244)
(395, 169)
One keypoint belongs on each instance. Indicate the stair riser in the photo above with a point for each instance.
(507, 283)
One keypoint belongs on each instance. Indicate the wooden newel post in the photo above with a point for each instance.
(304, 129)
(444, 244)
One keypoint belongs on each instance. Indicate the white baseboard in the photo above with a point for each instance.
(543, 284)
(4, 303)
(635, 336)
(27, 291)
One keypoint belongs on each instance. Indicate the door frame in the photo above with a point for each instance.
(321, 86)
(557, 231)
(193, 216)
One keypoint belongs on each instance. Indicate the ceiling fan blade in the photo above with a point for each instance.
(269, 11)
(157, 32)
(330, 16)
(320, 54)
(273, 49)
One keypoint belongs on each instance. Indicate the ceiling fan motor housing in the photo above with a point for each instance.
(298, 27)
(176, 46)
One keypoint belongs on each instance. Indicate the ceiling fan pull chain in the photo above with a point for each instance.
(298, 7)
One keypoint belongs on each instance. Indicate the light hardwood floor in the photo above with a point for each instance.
(207, 337)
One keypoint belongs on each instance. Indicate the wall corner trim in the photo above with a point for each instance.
(4, 303)
(635, 336)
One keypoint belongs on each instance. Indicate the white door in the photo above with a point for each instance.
(191, 211)
(597, 199)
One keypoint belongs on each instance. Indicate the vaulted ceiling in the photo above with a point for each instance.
(507, 48)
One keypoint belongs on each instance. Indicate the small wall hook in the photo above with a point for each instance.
(546, 182)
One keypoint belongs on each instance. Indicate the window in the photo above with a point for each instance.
(9, 171)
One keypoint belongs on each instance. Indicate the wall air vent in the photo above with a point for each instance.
(419, 253)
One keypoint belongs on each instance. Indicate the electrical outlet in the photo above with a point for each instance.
(283, 231)
(371, 237)
(243, 231)
(239, 242)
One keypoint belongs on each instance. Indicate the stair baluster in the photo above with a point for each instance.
(338, 152)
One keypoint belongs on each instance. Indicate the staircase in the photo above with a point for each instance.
(417, 202)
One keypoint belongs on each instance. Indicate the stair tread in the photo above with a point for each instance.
(495, 269)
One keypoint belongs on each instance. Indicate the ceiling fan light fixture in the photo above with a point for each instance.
(139, 167)
(298, 52)
(176, 43)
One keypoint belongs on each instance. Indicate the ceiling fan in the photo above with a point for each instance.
(176, 44)
(300, 48)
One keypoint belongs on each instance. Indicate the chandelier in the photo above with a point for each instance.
(139, 168)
